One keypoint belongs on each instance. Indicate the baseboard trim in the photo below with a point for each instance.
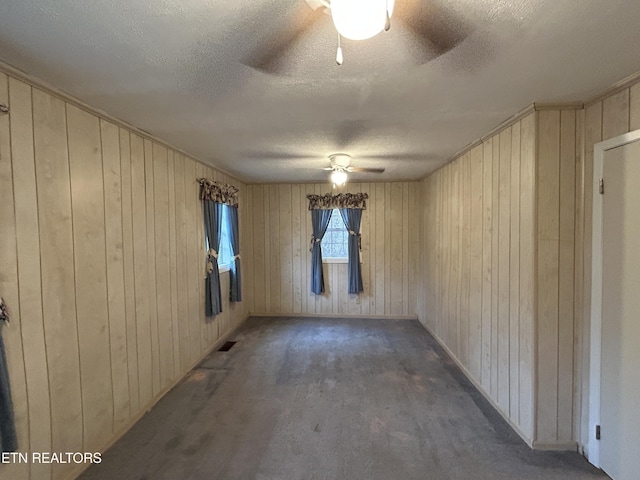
(467, 374)
(143, 411)
(564, 446)
(333, 315)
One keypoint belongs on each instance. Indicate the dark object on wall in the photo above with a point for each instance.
(226, 347)
(4, 312)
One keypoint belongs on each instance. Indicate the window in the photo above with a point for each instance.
(225, 256)
(335, 243)
(225, 253)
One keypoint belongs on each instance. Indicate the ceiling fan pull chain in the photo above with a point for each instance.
(387, 20)
(339, 57)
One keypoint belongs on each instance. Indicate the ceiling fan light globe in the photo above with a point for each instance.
(360, 19)
(338, 177)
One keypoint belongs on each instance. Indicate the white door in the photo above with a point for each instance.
(620, 373)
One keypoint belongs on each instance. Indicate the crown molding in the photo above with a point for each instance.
(528, 110)
(615, 88)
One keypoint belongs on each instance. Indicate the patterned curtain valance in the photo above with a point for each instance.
(218, 192)
(341, 200)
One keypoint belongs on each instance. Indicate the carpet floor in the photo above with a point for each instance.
(313, 398)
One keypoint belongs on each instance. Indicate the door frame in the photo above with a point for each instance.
(595, 363)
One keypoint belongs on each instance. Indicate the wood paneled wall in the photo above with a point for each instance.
(604, 119)
(102, 267)
(279, 253)
(499, 260)
(557, 162)
(478, 264)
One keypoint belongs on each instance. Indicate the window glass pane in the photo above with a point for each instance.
(225, 256)
(334, 242)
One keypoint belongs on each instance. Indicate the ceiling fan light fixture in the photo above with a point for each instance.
(360, 19)
(338, 177)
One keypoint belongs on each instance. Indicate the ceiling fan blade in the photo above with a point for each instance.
(438, 28)
(275, 48)
(366, 170)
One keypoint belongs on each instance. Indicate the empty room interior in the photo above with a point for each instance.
(319, 239)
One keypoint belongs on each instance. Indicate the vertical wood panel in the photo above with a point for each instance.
(297, 248)
(495, 263)
(129, 272)
(182, 263)
(527, 288)
(413, 212)
(141, 272)
(388, 209)
(566, 275)
(274, 253)
(394, 249)
(504, 245)
(465, 267)
(475, 294)
(173, 259)
(372, 218)
(305, 245)
(487, 188)
(87, 199)
(405, 249)
(286, 247)
(380, 249)
(151, 266)
(514, 275)
(162, 264)
(112, 178)
(548, 205)
(259, 252)
(246, 252)
(578, 286)
(443, 324)
(454, 242)
(436, 297)
(268, 254)
(58, 278)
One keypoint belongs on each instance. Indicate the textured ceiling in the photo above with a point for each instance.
(175, 69)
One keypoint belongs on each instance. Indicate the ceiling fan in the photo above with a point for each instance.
(439, 29)
(340, 167)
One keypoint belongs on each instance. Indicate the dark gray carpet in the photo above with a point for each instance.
(329, 399)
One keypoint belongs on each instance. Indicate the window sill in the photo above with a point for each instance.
(335, 260)
(224, 268)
